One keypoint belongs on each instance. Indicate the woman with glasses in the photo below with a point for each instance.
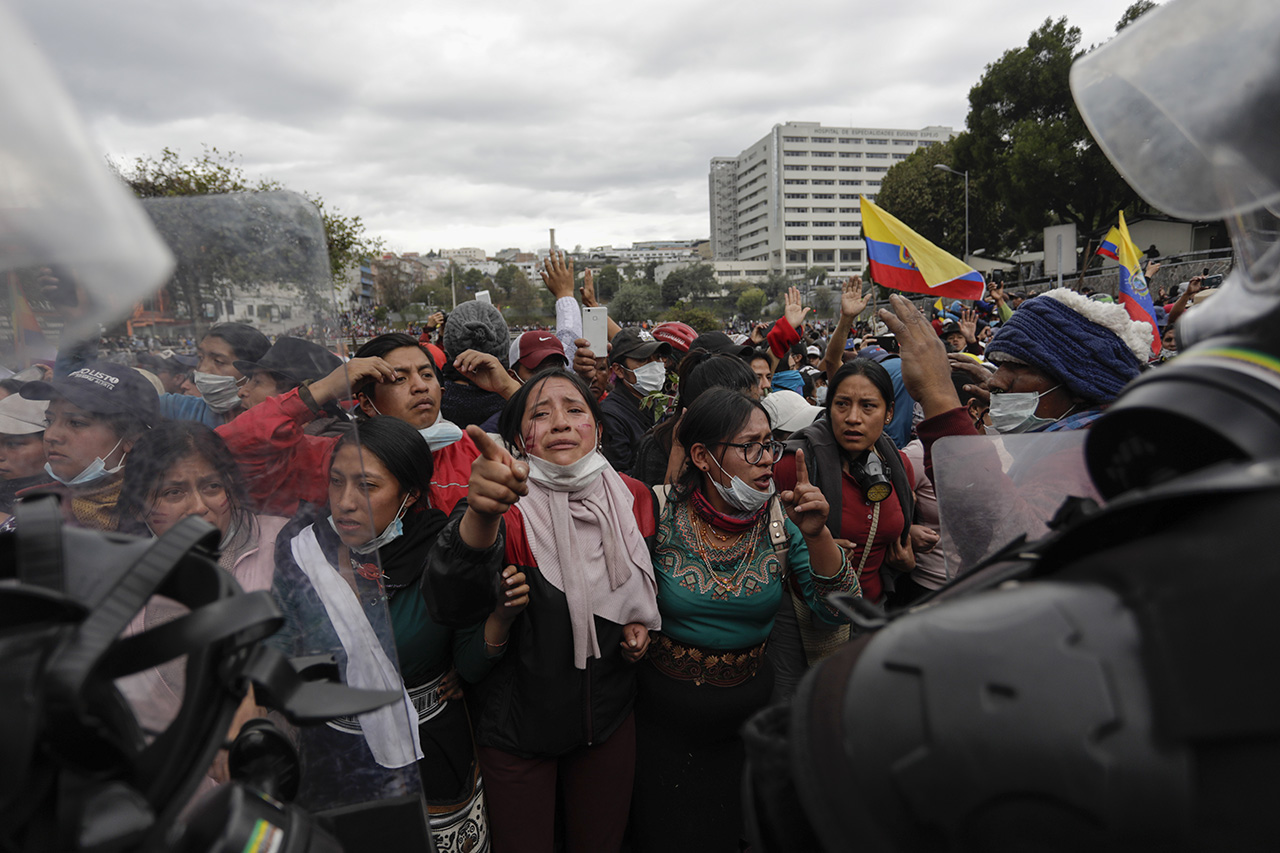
(727, 543)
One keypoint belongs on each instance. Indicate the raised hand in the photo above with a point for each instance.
(338, 384)
(806, 506)
(792, 310)
(589, 290)
(925, 369)
(435, 320)
(484, 371)
(584, 360)
(557, 274)
(979, 376)
(997, 293)
(759, 333)
(498, 479)
(853, 299)
(635, 641)
(969, 325)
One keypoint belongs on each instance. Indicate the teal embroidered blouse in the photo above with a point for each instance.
(731, 607)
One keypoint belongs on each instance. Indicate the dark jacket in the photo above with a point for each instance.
(625, 424)
(536, 703)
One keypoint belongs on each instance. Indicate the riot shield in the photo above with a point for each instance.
(252, 274)
(994, 488)
(106, 312)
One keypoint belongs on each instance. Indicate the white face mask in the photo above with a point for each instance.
(650, 377)
(222, 393)
(567, 478)
(96, 470)
(394, 530)
(820, 395)
(1014, 413)
(746, 498)
(440, 434)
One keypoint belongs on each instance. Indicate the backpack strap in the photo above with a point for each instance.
(778, 533)
(661, 494)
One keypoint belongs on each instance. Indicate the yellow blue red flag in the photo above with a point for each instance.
(903, 260)
(1133, 292)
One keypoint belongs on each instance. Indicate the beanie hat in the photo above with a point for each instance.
(478, 326)
(1093, 348)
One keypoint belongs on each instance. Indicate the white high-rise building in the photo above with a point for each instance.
(791, 199)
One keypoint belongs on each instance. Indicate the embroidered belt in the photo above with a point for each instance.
(719, 668)
(425, 698)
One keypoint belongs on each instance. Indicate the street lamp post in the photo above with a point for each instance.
(965, 175)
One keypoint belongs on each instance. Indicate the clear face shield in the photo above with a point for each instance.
(93, 280)
(1184, 103)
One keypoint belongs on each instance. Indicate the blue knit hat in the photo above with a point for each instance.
(1093, 348)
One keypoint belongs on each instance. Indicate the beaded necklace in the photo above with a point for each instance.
(733, 560)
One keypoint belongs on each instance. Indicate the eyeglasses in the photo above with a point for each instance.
(754, 451)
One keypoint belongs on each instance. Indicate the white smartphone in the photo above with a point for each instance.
(595, 328)
(483, 296)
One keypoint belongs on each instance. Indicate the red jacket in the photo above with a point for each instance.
(284, 466)
(781, 337)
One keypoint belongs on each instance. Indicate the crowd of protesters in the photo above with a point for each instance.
(596, 565)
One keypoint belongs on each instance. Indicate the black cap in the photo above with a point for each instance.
(636, 343)
(167, 360)
(950, 327)
(718, 342)
(294, 359)
(102, 388)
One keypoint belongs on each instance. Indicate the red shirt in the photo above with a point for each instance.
(855, 520)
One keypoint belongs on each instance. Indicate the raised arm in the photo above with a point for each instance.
(497, 481)
(853, 301)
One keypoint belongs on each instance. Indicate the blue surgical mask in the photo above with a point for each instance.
(96, 470)
(394, 531)
(746, 498)
(1015, 413)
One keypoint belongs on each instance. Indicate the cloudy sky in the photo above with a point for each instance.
(448, 124)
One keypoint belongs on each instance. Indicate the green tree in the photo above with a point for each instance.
(816, 274)
(1135, 11)
(821, 301)
(691, 282)
(929, 201)
(634, 303)
(699, 318)
(607, 282)
(1027, 147)
(506, 278)
(471, 282)
(395, 286)
(216, 172)
(751, 303)
(775, 285)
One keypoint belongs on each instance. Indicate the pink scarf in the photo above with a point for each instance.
(588, 546)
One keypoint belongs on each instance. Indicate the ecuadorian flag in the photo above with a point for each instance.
(1134, 295)
(1110, 244)
(903, 260)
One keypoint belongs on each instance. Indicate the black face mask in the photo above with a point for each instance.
(871, 476)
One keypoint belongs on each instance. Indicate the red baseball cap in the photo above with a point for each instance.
(533, 348)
